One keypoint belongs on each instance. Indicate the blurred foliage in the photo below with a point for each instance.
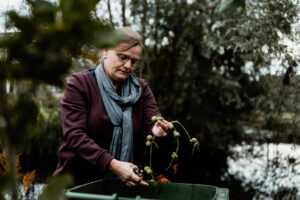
(41, 148)
(48, 38)
(55, 188)
(41, 50)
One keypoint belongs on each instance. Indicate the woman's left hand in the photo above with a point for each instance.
(161, 128)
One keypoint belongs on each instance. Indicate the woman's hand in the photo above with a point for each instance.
(124, 170)
(161, 128)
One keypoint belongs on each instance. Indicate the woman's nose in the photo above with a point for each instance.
(128, 64)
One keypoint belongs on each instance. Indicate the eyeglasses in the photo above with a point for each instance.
(124, 58)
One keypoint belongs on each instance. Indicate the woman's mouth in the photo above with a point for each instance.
(125, 71)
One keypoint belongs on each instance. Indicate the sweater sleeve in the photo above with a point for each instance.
(74, 120)
(149, 108)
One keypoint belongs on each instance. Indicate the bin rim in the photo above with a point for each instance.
(69, 193)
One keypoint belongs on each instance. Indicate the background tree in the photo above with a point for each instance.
(207, 66)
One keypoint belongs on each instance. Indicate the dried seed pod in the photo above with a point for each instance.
(194, 140)
(160, 118)
(148, 143)
(176, 134)
(149, 137)
(154, 119)
(174, 155)
(149, 171)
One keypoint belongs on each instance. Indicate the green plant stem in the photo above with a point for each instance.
(155, 144)
(173, 122)
(150, 164)
(152, 177)
(177, 148)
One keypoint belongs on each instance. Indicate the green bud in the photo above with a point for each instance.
(146, 168)
(149, 171)
(149, 137)
(176, 134)
(154, 119)
(194, 140)
(174, 155)
(160, 118)
(148, 143)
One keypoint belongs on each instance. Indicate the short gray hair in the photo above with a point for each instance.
(130, 37)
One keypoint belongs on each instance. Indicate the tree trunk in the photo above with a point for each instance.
(143, 20)
(109, 12)
(123, 3)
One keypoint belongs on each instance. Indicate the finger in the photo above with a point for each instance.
(162, 125)
(163, 133)
(135, 169)
(170, 125)
(144, 183)
(134, 175)
(130, 183)
(135, 178)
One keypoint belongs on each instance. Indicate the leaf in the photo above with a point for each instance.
(55, 187)
(28, 180)
(90, 56)
(162, 179)
(175, 168)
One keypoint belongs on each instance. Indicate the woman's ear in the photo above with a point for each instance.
(105, 53)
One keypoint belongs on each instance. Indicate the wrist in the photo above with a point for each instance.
(113, 164)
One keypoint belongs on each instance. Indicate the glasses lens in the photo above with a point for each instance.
(124, 58)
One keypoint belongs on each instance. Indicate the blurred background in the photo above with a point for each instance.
(228, 70)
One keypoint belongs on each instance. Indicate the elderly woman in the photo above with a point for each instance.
(106, 116)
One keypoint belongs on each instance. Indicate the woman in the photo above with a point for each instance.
(106, 116)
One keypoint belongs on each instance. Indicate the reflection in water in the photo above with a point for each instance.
(268, 168)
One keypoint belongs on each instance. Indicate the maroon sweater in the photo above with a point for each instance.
(87, 129)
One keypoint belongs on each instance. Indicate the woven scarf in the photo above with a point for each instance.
(119, 110)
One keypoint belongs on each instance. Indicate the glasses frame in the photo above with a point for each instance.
(124, 58)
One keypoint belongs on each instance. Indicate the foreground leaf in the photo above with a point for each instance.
(162, 179)
(56, 187)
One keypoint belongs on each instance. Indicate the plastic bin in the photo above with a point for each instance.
(109, 189)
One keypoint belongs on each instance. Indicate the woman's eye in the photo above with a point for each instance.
(123, 57)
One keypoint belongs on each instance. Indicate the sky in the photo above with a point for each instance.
(8, 5)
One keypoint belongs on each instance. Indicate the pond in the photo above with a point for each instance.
(268, 168)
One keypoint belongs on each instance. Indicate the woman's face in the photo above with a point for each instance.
(119, 64)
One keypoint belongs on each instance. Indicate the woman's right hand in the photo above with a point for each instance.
(124, 170)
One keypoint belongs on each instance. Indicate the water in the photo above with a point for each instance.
(267, 168)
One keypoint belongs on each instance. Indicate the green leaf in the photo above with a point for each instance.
(6, 183)
(56, 187)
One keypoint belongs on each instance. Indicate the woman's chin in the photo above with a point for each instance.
(121, 77)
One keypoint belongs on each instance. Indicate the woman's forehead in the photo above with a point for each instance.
(125, 46)
(133, 51)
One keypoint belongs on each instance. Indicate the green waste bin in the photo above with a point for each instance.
(109, 189)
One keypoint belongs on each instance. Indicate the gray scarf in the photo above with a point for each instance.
(119, 110)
